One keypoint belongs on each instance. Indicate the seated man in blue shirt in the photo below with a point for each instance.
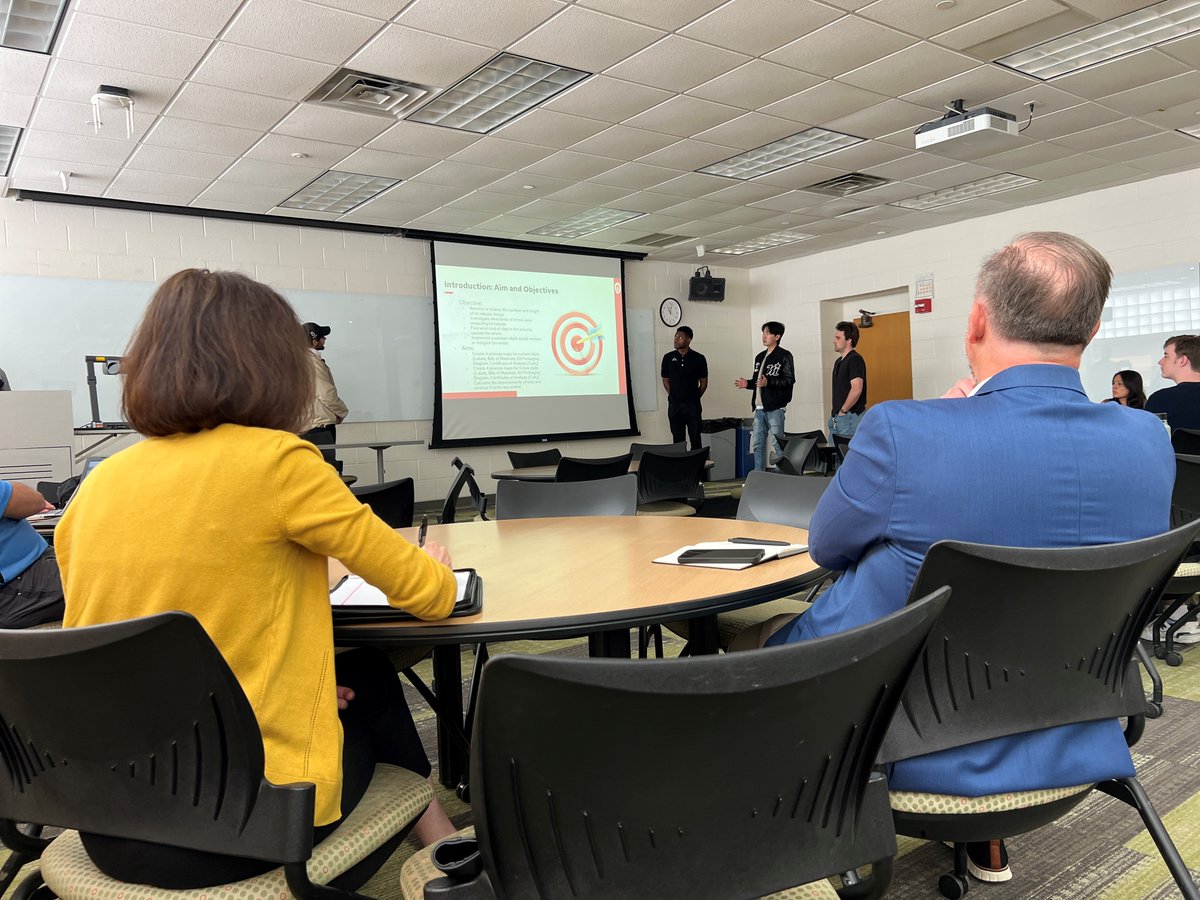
(31, 590)
(961, 468)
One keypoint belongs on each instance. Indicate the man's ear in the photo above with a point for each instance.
(977, 322)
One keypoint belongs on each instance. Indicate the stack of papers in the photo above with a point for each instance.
(353, 591)
(770, 551)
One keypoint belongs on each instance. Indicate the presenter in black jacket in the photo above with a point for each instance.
(685, 379)
(771, 391)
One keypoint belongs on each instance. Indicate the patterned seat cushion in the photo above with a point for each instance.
(420, 870)
(395, 797)
(1187, 570)
(665, 508)
(730, 623)
(950, 804)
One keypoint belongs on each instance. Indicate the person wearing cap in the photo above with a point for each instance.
(328, 408)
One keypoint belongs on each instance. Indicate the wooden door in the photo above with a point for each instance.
(887, 350)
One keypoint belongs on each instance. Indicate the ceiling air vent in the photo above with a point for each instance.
(844, 185)
(372, 94)
(660, 240)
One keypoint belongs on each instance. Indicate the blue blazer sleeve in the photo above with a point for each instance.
(856, 509)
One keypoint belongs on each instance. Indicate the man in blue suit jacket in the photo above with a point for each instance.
(1016, 455)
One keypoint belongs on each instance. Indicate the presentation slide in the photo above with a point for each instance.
(530, 344)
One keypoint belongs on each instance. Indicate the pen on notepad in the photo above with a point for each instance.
(746, 540)
(424, 528)
(341, 581)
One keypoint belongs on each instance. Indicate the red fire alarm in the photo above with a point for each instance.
(923, 305)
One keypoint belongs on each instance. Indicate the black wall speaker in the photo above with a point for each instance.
(705, 287)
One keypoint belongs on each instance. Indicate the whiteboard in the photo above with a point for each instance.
(643, 375)
(380, 350)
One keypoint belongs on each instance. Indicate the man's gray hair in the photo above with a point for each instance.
(1045, 287)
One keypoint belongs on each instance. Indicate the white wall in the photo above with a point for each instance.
(1137, 226)
(39, 238)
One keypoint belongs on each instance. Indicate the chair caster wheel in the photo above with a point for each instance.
(1154, 709)
(1174, 658)
(463, 791)
(953, 886)
(1160, 652)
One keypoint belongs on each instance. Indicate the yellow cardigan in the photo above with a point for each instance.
(234, 525)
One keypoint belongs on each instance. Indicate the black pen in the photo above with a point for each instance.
(341, 581)
(424, 528)
(745, 540)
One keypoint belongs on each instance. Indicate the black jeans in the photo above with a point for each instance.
(685, 415)
(35, 596)
(377, 727)
(322, 435)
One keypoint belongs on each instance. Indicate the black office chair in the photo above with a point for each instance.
(637, 449)
(392, 501)
(546, 499)
(570, 798)
(574, 468)
(818, 459)
(797, 454)
(988, 672)
(842, 444)
(464, 479)
(667, 481)
(139, 730)
(534, 458)
(1186, 441)
(1185, 507)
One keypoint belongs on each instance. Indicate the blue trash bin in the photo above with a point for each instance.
(745, 457)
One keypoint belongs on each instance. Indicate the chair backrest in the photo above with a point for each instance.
(464, 478)
(674, 476)
(1186, 440)
(392, 501)
(574, 468)
(781, 499)
(1185, 498)
(813, 460)
(843, 445)
(545, 499)
(139, 730)
(637, 449)
(534, 458)
(795, 455)
(1031, 638)
(776, 748)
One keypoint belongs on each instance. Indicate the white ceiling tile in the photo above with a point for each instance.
(75, 148)
(684, 116)
(572, 164)
(202, 136)
(205, 19)
(259, 72)
(1185, 50)
(300, 29)
(21, 71)
(483, 201)
(377, 9)
(223, 191)
(644, 201)
(157, 183)
(126, 45)
(882, 119)
(843, 45)
(588, 194)
(416, 139)
(677, 64)
(1155, 96)
(1171, 161)
(607, 99)
(755, 84)
(322, 123)
(585, 39)
(15, 109)
(909, 69)
(76, 81)
(1121, 74)
(221, 106)
(539, 185)
(635, 176)
(977, 87)
(1181, 115)
(280, 148)
(909, 166)
(689, 155)
(496, 23)
(828, 100)
(746, 192)
(692, 184)
(669, 15)
(420, 57)
(1132, 151)
(384, 164)
(76, 118)
(1107, 9)
(620, 142)
(926, 19)
(749, 131)
(1106, 135)
(171, 160)
(460, 175)
(1067, 121)
(493, 151)
(423, 192)
(283, 178)
(998, 23)
(695, 209)
(863, 156)
(38, 173)
(549, 129)
(550, 210)
(446, 217)
(759, 26)
(1033, 153)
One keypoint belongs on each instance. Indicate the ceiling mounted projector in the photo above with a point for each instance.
(976, 125)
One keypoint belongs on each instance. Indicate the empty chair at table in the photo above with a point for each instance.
(796, 454)
(534, 458)
(575, 468)
(819, 457)
(637, 449)
(392, 501)
(667, 481)
(465, 478)
(547, 499)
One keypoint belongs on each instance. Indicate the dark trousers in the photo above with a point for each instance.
(321, 436)
(33, 597)
(685, 415)
(377, 727)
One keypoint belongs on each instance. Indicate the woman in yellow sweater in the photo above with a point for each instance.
(225, 513)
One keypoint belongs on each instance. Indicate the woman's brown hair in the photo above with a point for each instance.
(212, 348)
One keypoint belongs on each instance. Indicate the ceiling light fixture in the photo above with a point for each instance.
(338, 192)
(1105, 41)
(587, 222)
(968, 190)
(780, 154)
(767, 241)
(496, 93)
(30, 24)
(9, 134)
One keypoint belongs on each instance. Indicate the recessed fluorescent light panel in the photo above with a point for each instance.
(29, 24)
(967, 191)
(782, 153)
(766, 242)
(1099, 43)
(660, 239)
(588, 222)
(496, 93)
(338, 192)
(8, 143)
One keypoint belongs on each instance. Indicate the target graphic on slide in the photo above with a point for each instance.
(577, 343)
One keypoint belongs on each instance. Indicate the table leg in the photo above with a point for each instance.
(703, 637)
(610, 644)
(453, 762)
(379, 462)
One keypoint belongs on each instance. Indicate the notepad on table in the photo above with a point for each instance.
(770, 551)
(352, 593)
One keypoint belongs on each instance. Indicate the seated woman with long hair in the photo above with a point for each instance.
(1127, 390)
(225, 513)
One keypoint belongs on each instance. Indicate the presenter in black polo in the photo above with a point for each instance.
(685, 379)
